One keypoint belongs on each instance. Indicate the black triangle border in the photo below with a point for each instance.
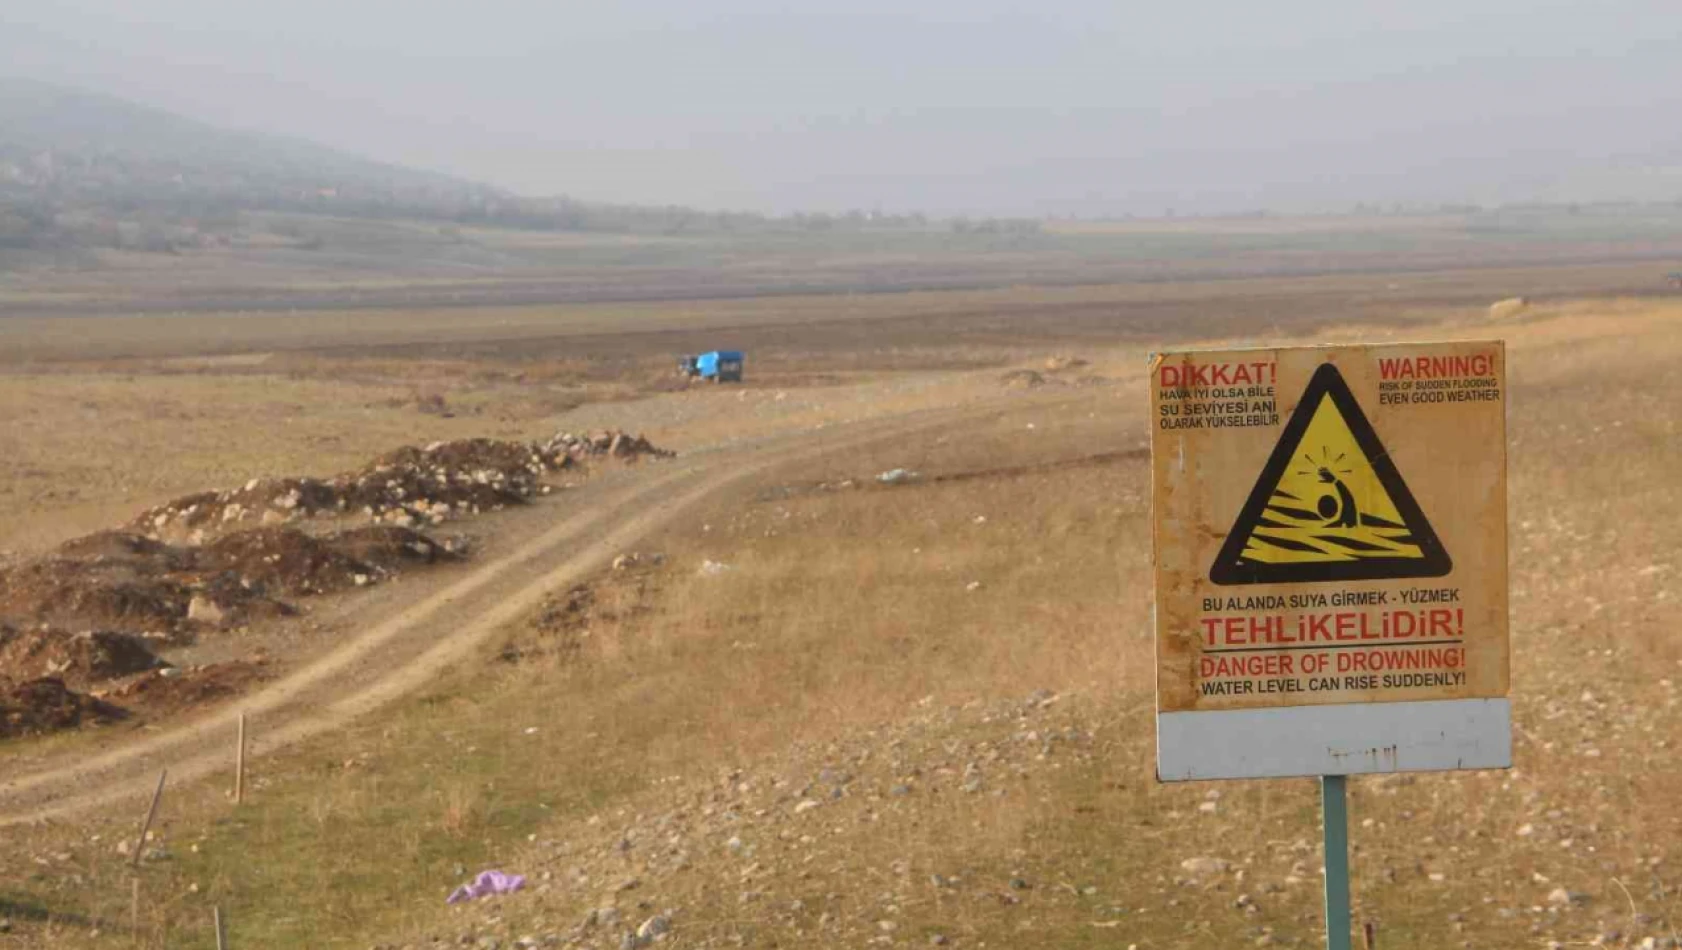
(1229, 570)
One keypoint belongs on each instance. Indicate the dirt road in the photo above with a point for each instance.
(409, 649)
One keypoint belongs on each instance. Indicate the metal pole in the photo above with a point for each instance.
(239, 763)
(1335, 810)
(151, 813)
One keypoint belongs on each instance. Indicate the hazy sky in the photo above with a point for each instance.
(946, 106)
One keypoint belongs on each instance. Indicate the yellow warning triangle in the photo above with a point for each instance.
(1329, 504)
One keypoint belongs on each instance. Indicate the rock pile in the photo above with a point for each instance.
(200, 563)
(409, 486)
(611, 444)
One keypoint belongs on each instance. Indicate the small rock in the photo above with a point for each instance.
(1204, 865)
(1560, 897)
(656, 926)
(204, 610)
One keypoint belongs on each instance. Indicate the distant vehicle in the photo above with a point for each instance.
(717, 366)
(1674, 279)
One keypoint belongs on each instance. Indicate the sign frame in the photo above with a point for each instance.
(1260, 400)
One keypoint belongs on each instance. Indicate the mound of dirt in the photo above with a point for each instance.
(389, 547)
(91, 594)
(446, 479)
(78, 658)
(169, 593)
(124, 546)
(283, 560)
(190, 687)
(410, 485)
(39, 706)
(125, 582)
(262, 500)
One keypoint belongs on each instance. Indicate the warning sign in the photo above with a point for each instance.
(1330, 548)
(1329, 504)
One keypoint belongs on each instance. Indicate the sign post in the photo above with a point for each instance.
(1330, 539)
(1334, 812)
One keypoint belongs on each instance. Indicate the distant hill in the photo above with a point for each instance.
(85, 170)
(71, 161)
(71, 142)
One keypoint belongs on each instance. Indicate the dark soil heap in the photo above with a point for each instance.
(92, 594)
(40, 706)
(135, 585)
(77, 658)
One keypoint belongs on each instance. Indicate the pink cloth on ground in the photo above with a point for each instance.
(487, 883)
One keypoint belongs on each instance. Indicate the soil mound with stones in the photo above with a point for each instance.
(388, 548)
(122, 546)
(76, 658)
(40, 706)
(412, 485)
(175, 690)
(128, 583)
(92, 594)
(282, 561)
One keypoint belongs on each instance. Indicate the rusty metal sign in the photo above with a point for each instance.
(1331, 559)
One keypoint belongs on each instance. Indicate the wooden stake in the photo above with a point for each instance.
(134, 911)
(1370, 935)
(221, 929)
(151, 813)
(239, 764)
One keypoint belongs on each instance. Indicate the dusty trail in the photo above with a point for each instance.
(409, 649)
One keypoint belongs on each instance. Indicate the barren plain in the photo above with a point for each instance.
(727, 685)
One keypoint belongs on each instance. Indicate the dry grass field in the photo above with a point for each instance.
(841, 713)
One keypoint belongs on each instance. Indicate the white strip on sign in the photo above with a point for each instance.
(1354, 739)
(1330, 547)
